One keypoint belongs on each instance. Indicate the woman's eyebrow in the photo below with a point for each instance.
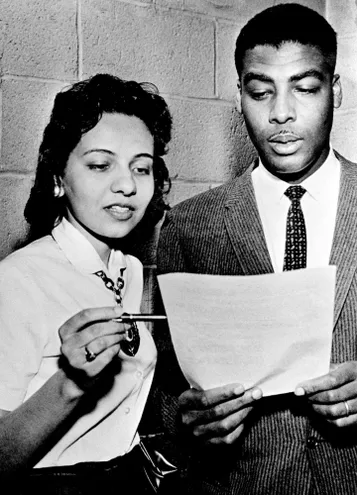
(98, 150)
(144, 155)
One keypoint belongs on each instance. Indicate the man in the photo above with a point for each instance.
(306, 442)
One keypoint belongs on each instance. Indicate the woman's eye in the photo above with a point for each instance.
(98, 166)
(142, 170)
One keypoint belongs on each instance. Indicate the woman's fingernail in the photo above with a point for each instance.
(257, 393)
(299, 391)
(239, 390)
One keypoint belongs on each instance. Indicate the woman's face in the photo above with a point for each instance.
(108, 180)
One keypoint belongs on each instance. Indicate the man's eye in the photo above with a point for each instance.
(259, 95)
(308, 91)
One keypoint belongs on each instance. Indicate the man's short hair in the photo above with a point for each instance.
(284, 23)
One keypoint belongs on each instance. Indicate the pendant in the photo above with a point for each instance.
(130, 345)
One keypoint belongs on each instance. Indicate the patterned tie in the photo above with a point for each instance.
(296, 243)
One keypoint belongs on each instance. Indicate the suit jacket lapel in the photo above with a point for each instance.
(344, 247)
(244, 227)
(246, 234)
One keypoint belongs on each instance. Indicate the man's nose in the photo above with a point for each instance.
(282, 109)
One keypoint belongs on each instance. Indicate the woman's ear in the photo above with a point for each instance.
(58, 190)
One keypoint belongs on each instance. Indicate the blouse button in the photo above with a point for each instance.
(139, 374)
(127, 410)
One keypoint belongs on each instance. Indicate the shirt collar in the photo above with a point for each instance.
(324, 179)
(81, 253)
(316, 185)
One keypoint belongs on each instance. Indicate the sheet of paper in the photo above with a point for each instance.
(272, 330)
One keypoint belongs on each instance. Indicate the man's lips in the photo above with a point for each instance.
(284, 138)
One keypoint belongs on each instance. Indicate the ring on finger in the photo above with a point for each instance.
(90, 356)
(347, 407)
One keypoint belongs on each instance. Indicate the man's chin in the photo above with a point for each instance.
(289, 169)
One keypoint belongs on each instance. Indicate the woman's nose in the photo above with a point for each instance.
(124, 183)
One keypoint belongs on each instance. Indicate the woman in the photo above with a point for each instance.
(73, 380)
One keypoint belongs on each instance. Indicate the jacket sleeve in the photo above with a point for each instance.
(169, 253)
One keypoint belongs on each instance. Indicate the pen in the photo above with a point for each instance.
(127, 318)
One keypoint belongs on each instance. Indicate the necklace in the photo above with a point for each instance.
(131, 343)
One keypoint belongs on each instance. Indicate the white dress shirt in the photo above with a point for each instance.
(42, 286)
(319, 206)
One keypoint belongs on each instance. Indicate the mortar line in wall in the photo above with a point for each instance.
(16, 77)
(182, 180)
(214, 101)
(138, 3)
(79, 41)
(17, 173)
(1, 120)
(184, 10)
(327, 10)
(345, 111)
(346, 37)
(215, 49)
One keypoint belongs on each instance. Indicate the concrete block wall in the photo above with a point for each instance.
(185, 47)
(342, 14)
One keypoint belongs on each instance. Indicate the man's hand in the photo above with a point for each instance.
(217, 415)
(334, 396)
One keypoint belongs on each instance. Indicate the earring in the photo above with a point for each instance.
(58, 191)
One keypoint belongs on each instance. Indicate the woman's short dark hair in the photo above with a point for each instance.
(285, 23)
(78, 109)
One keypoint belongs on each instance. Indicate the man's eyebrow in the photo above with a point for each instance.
(308, 73)
(258, 76)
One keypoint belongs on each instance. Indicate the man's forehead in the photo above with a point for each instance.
(288, 55)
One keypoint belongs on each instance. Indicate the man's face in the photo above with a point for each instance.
(287, 96)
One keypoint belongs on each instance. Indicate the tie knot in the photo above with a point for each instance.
(295, 193)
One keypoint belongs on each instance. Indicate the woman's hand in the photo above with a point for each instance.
(334, 395)
(217, 415)
(90, 341)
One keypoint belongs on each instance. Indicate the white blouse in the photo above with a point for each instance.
(42, 286)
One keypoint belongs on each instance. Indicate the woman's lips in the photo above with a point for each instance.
(120, 212)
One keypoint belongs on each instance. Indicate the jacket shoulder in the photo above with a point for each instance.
(345, 161)
(203, 203)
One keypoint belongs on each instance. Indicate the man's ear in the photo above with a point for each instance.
(239, 97)
(337, 91)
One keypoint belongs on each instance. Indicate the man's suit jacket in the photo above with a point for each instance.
(285, 449)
